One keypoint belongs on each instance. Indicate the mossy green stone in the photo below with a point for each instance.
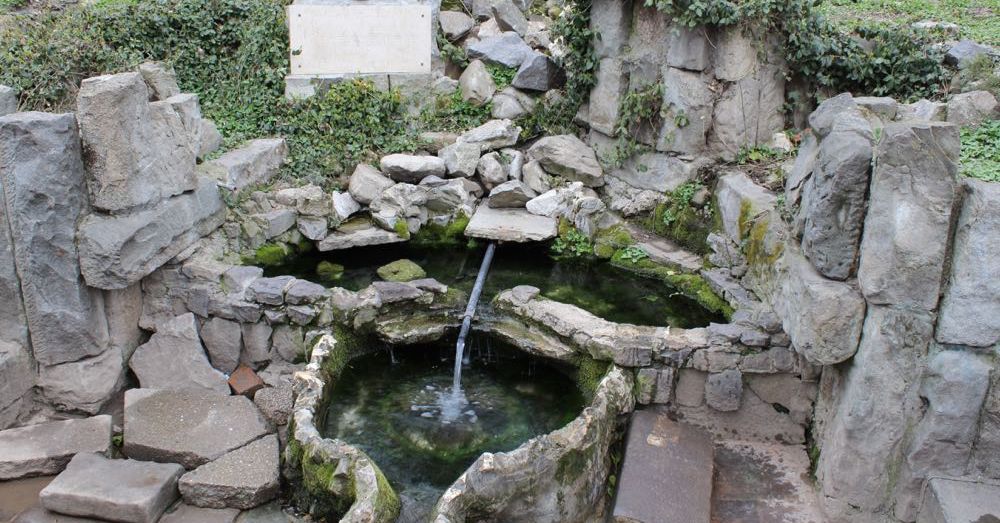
(401, 270)
(329, 271)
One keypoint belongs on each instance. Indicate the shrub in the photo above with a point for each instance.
(981, 152)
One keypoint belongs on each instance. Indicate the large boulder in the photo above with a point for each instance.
(688, 99)
(174, 359)
(821, 120)
(222, 339)
(507, 49)
(915, 178)
(964, 51)
(137, 152)
(509, 17)
(460, 159)
(834, 200)
(94, 486)
(610, 87)
(43, 180)
(476, 83)
(455, 24)
(510, 194)
(689, 49)
(822, 317)
(749, 112)
(539, 73)
(408, 168)
(567, 156)
(972, 108)
(493, 135)
(243, 478)
(255, 162)
(970, 311)
(368, 183)
(83, 385)
(161, 80)
(187, 427)
(117, 251)
(655, 172)
(46, 448)
(16, 379)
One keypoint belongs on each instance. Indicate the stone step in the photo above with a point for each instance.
(113, 489)
(661, 250)
(510, 225)
(42, 449)
(666, 474)
(955, 501)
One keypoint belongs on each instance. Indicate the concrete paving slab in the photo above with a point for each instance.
(244, 478)
(45, 448)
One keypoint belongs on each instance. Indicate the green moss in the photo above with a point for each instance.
(269, 255)
(691, 285)
(329, 272)
(571, 466)
(679, 220)
(610, 240)
(401, 271)
(756, 249)
(448, 235)
(746, 215)
(387, 505)
(402, 229)
(589, 373)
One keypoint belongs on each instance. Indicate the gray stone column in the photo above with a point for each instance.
(44, 197)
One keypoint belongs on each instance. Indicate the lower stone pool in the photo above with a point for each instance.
(398, 407)
(595, 285)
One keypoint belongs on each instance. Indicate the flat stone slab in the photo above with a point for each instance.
(187, 427)
(358, 233)
(667, 472)
(764, 483)
(38, 514)
(46, 448)
(244, 478)
(950, 501)
(113, 489)
(510, 225)
(662, 250)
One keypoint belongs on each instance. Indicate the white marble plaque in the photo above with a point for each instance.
(359, 39)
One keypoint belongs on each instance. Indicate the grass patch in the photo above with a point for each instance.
(981, 152)
(978, 20)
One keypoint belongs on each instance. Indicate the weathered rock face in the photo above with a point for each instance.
(824, 318)
(16, 379)
(455, 24)
(222, 340)
(606, 96)
(460, 159)
(972, 108)
(970, 311)
(510, 194)
(46, 448)
(655, 172)
(878, 406)
(955, 387)
(525, 484)
(43, 184)
(183, 426)
(174, 359)
(507, 49)
(492, 135)
(136, 152)
(539, 73)
(255, 162)
(8, 100)
(161, 80)
(117, 251)
(116, 489)
(834, 198)
(83, 385)
(740, 200)
(912, 194)
(569, 157)
(411, 169)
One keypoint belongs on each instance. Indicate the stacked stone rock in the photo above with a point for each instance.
(881, 303)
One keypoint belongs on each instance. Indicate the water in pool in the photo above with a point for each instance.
(390, 405)
(611, 293)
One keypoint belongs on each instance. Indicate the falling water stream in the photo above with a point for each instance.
(453, 403)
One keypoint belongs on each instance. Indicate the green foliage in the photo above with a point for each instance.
(572, 244)
(639, 109)
(10, 5)
(977, 19)
(633, 254)
(452, 113)
(870, 60)
(352, 122)
(232, 53)
(680, 220)
(450, 51)
(571, 31)
(502, 75)
(756, 154)
(981, 152)
(978, 74)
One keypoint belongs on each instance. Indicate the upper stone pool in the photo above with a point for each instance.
(595, 285)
